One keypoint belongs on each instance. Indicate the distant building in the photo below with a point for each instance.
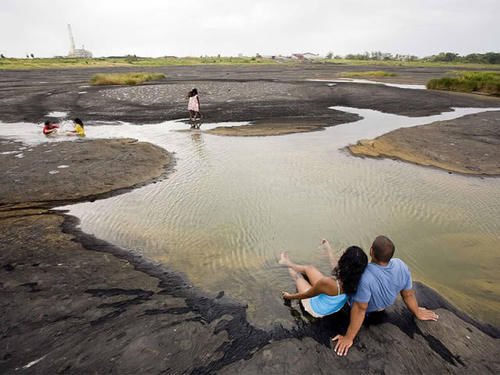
(311, 56)
(77, 53)
(305, 56)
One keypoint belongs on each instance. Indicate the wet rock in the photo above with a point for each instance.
(468, 145)
(95, 167)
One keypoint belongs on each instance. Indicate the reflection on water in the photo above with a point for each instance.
(234, 203)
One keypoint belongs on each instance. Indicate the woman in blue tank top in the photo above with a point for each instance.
(324, 295)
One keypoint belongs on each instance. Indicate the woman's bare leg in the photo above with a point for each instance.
(301, 283)
(313, 274)
(327, 249)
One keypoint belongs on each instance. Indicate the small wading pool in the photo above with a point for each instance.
(234, 203)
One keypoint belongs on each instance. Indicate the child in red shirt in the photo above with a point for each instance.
(50, 128)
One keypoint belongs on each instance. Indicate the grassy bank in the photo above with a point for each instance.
(61, 63)
(481, 82)
(56, 63)
(124, 79)
(371, 73)
(423, 64)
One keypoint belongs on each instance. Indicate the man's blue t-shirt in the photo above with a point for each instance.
(380, 285)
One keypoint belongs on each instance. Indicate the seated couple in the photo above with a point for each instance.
(371, 287)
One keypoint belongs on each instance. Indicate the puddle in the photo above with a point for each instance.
(234, 203)
(354, 80)
(57, 114)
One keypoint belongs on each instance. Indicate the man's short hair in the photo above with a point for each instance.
(383, 249)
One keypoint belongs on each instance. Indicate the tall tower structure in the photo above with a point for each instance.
(74, 52)
(71, 40)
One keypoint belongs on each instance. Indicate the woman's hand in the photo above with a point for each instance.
(286, 295)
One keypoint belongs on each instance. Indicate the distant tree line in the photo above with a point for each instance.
(477, 58)
(377, 55)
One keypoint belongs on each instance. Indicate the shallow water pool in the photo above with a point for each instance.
(234, 203)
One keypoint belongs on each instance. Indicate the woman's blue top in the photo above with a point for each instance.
(323, 304)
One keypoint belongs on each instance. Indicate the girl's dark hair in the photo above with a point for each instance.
(78, 121)
(193, 92)
(350, 268)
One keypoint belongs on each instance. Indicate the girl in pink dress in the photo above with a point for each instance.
(194, 108)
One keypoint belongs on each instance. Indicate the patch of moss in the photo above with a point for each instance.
(124, 78)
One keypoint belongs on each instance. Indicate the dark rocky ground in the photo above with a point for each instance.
(71, 303)
(228, 93)
(467, 145)
(89, 168)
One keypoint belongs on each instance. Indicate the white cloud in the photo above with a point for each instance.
(200, 27)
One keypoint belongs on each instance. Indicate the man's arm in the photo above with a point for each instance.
(358, 312)
(412, 304)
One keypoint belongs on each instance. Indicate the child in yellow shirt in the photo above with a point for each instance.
(79, 129)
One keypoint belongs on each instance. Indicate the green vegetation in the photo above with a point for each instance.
(418, 63)
(474, 58)
(371, 73)
(481, 82)
(55, 63)
(166, 61)
(448, 59)
(442, 57)
(124, 78)
(63, 62)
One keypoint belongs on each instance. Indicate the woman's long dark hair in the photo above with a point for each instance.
(350, 268)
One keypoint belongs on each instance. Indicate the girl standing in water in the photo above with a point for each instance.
(194, 108)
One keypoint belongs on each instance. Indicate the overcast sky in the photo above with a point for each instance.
(230, 27)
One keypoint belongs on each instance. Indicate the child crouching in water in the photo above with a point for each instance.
(79, 130)
(194, 108)
(50, 128)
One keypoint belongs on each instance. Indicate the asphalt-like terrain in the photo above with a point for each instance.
(228, 93)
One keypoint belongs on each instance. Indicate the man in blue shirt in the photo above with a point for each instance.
(383, 279)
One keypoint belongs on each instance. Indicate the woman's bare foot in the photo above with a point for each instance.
(328, 251)
(285, 258)
(325, 247)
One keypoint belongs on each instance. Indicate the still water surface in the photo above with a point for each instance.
(234, 203)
